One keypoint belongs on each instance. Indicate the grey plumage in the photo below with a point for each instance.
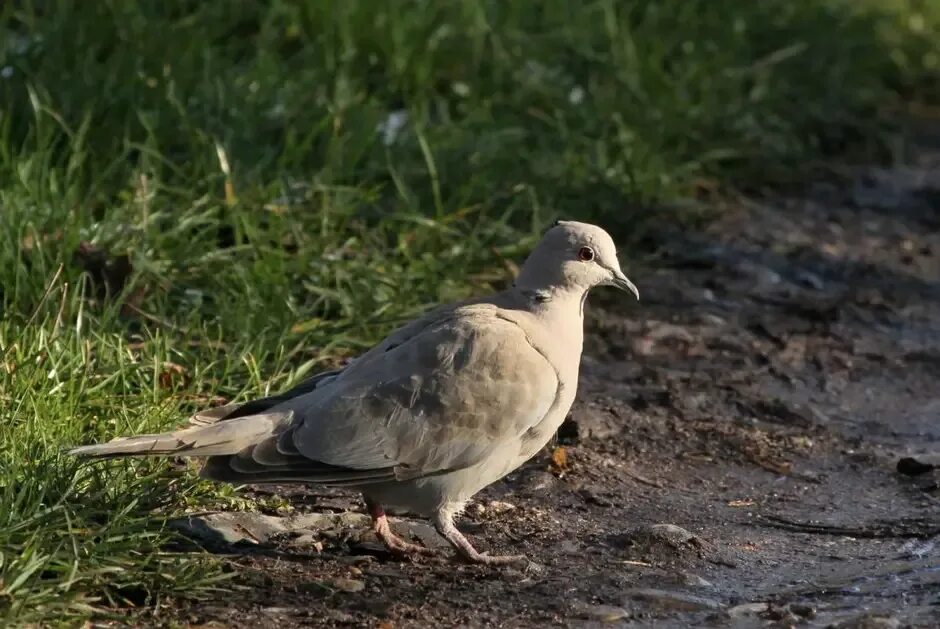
(442, 407)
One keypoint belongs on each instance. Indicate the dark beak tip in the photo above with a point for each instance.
(624, 284)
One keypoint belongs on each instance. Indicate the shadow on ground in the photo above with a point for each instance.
(731, 460)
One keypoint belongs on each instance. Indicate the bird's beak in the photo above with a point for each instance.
(622, 282)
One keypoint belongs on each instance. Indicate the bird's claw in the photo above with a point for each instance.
(495, 560)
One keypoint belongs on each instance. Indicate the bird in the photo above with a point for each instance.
(441, 408)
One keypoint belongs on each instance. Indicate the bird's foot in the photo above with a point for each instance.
(445, 526)
(521, 562)
(395, 544)
(493, 560)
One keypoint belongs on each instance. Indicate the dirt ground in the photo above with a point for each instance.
(758, 399)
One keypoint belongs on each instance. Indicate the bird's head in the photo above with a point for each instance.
(573, 257)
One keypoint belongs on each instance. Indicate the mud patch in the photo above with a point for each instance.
(732, 459)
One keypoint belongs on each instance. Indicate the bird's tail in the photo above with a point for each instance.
(201, 440)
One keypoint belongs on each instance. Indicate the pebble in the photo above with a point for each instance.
(694, 580)
(348, 585)
(538, 482)
(674, 534)
(748, 609)
(231, 527)
(675, 601)
(803, 609)
(499, 507)
(810, 279)
(307, 541)
(867, 621)
(669, 535)
(602, 613)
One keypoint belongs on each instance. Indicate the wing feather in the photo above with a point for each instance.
(437, 395)
(438, 401)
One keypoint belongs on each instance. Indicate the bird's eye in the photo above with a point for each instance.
(585, 254)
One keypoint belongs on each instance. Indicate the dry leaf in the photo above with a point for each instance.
(230, 197)
(560, 459)
(172, 375)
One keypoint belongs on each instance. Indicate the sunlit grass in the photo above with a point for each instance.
(202, 202)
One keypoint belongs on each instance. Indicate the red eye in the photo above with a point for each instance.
(586, 254)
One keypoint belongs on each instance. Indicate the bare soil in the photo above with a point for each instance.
(781, 363)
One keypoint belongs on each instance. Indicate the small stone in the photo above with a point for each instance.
(748, 609)
(538, 482)
(694, 580)
(348, 585)
(663, 535)
(499, 507)
(673, 533)
(231, 527)
(762, 274)
(589, 421)
(803, 610)
(910, 466)
(423, 532)
(662, 544)
(307, 540)
(712, 320)
(810, 279)
(867, 621)
(602, 613)
(675, 601)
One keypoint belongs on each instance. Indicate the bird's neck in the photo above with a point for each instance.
(553, 305)
(561, 315)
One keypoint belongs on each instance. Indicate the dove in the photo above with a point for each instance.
(443, 407)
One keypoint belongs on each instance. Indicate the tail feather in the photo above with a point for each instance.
(213, 415)
(231, 469)
(251, 449)
(211, 439)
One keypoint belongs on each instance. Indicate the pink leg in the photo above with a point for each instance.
(383, 531)
(444, 523)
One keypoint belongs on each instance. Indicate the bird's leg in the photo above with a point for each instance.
(383, 530)
(444, 523)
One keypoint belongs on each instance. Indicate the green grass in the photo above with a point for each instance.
(251, 223)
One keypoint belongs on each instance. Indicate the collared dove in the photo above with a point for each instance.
(441, 408)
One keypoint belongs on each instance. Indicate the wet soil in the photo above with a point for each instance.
(782, 362)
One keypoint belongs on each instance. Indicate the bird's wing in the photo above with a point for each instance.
(319, 380)
(440, 400)
(261, 405)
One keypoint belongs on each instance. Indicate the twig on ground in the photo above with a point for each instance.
(900, 529)
(642, 479)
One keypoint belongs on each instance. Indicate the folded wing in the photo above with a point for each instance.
(437, 400)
